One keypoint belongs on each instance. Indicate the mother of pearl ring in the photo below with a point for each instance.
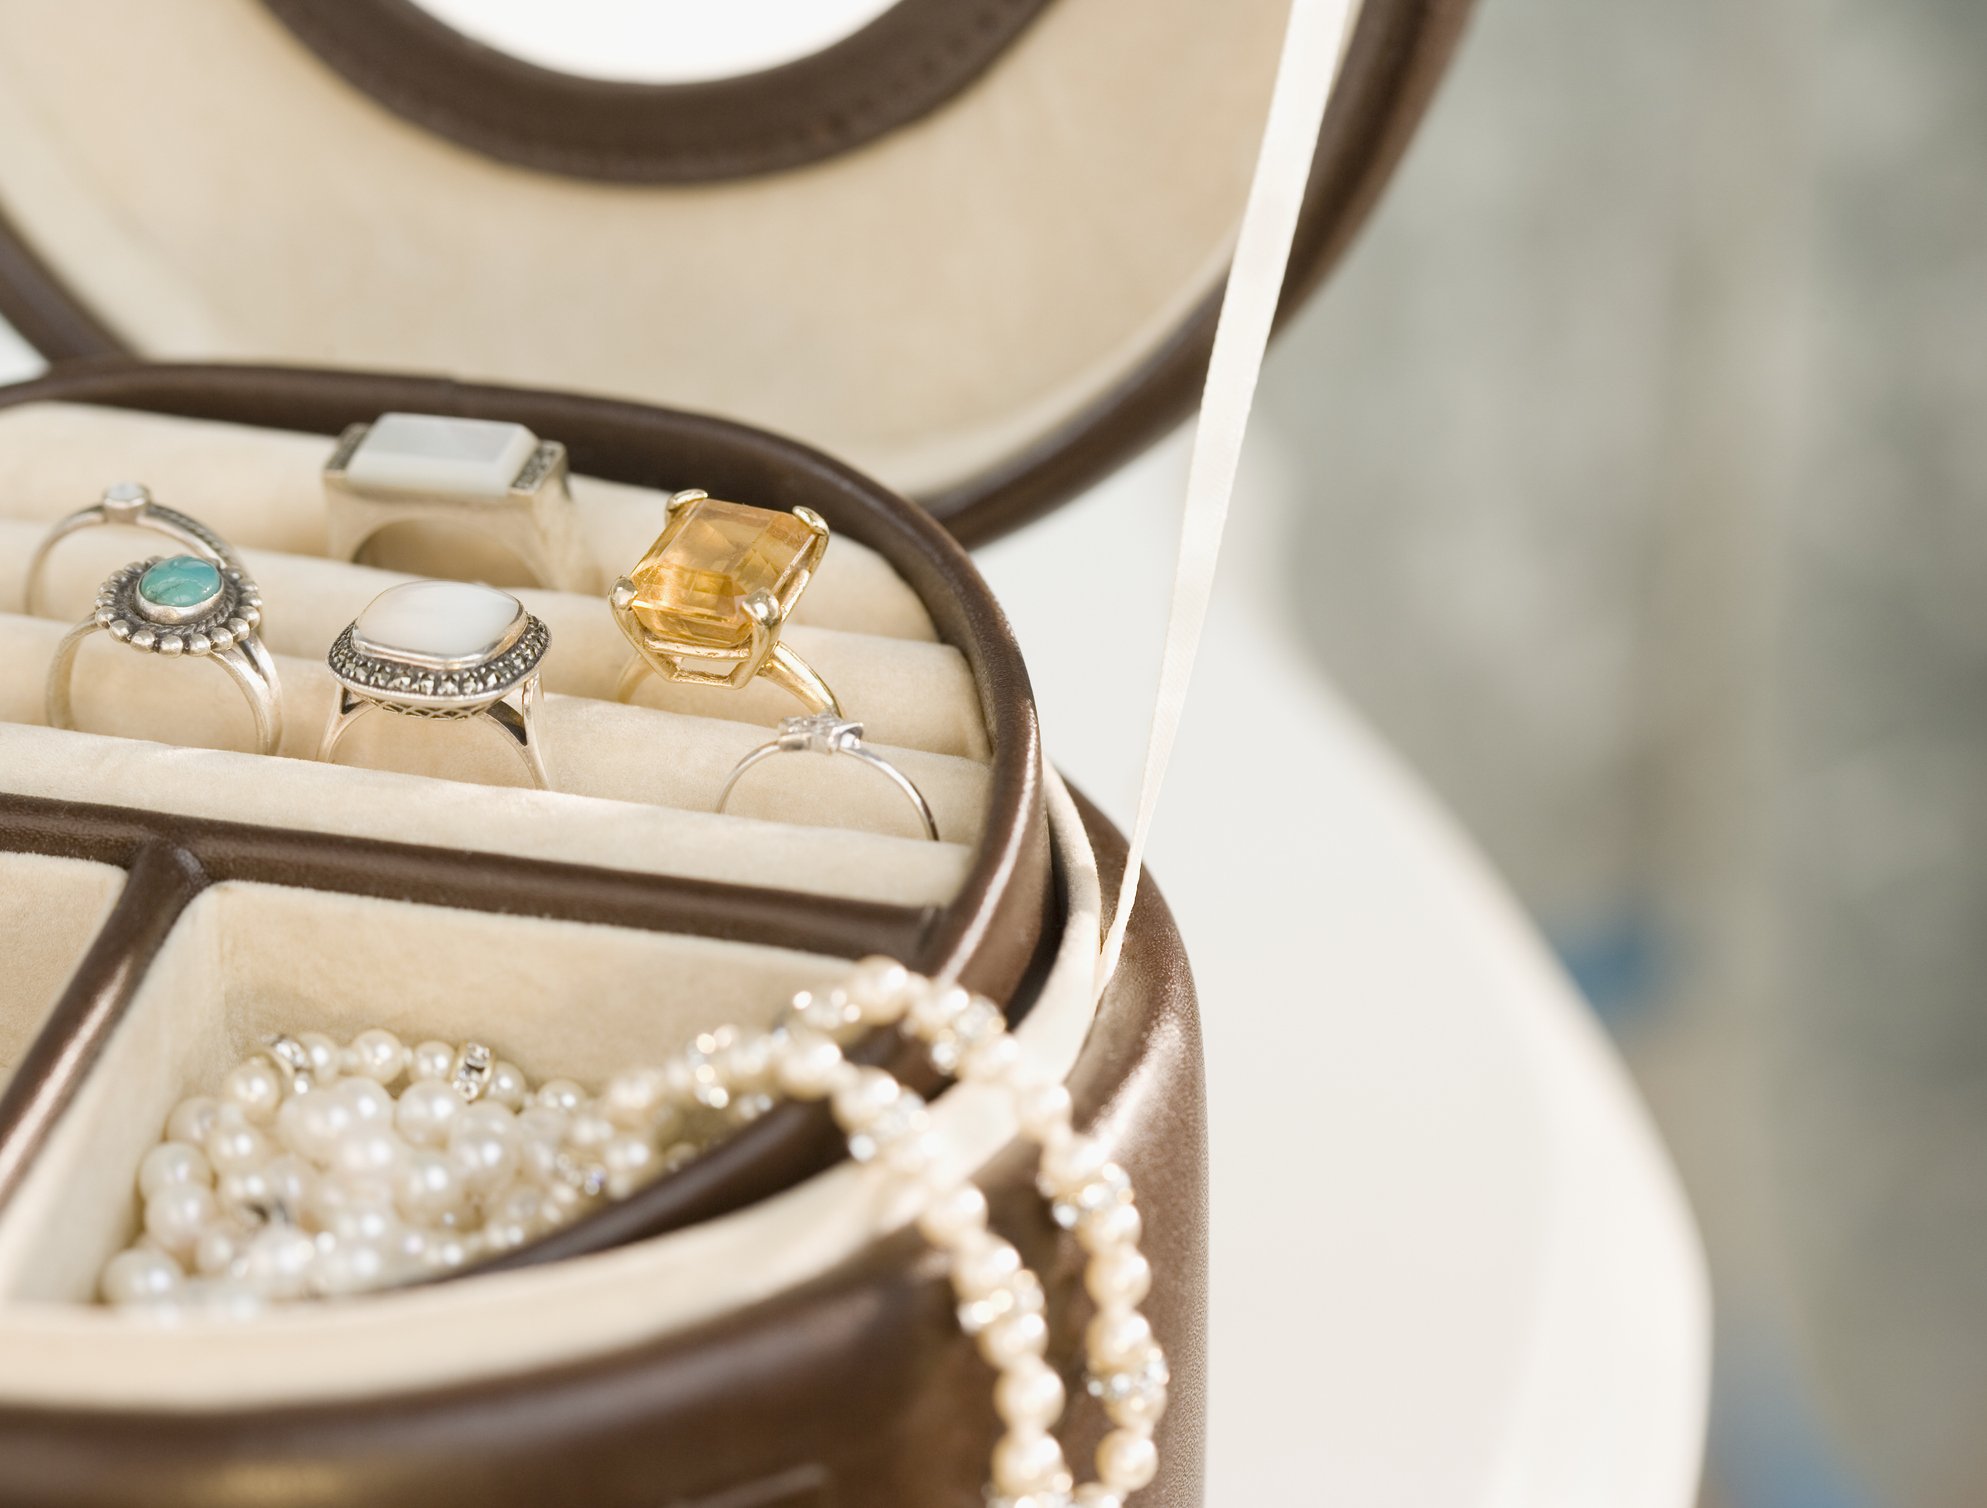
(443, 650)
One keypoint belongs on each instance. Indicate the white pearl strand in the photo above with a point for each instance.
(1001, 1299)
(374, 1215)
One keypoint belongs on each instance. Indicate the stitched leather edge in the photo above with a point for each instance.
(908, 62)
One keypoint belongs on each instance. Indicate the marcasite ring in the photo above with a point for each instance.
(444, 650)
(825, 733)
(131, 505)
(479, 479)
(180, 606)
(706, 604)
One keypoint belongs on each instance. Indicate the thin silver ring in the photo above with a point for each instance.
(222, 630)
(131, 505)
(825, 733)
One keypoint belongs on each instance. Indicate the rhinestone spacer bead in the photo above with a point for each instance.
(471, 1074)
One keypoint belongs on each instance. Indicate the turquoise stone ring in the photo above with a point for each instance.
(181, 606)
(180, 582)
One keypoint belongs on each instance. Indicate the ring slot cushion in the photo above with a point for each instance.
(916, 694)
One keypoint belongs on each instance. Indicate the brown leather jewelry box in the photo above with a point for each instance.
(895, 249)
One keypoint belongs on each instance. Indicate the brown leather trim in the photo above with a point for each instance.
(499, 883)
(900, 67)
(161, 881)
(172, 859)
(1398, 53)
(990, 933)
(42, 308)
(857, 1389)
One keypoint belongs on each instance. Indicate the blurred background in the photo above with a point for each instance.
(1653, 406)
(1634, 463)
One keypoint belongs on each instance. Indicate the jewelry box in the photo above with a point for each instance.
(973, 251)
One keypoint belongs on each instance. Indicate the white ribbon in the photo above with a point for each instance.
(1313, 46)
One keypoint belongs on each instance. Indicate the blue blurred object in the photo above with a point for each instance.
(1620, 963)
(1767, 1449)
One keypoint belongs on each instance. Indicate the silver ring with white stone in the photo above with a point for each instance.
(443, 650)
(128, 504)
(180, 606)
(477, 479)
(825, 733)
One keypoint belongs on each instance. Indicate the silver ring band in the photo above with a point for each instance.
(517, 725)
(130, 505)
(825, 733)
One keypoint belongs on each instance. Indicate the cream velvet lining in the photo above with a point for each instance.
(925, 306)
(53, 909)
(594, 748)
(247, 959)
(635, 783)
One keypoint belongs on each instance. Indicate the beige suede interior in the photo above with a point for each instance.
(925, 306)
(248, 959)
(635, 784)
(53, 909)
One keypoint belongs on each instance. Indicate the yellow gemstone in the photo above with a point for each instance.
(692, 584)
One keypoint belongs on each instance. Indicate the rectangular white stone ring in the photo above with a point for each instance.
(472, 499)
(444, 650)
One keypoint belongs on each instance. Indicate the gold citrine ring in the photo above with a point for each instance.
(706, 604)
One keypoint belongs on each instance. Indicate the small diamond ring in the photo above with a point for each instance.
(706, 604)
(825, 733)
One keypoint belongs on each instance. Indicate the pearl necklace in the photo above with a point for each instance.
(308, 1177)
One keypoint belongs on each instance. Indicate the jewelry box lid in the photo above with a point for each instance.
(973, 248)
